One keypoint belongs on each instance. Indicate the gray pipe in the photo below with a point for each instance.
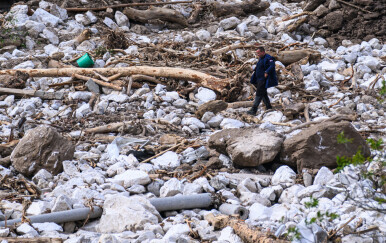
(231, 209)
(203, 200)
(161, 204)
(60, 217)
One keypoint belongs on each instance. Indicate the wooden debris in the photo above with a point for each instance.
(205, 80)
(233, 47)
(163, 14)
(239, 9)
(247, 234)
(85, 35)
(292, 56)
(108, 85)
(31, 240)
(124, 5)
(32, 93)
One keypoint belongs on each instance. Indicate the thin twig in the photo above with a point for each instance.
(341, 227)
(161, 153)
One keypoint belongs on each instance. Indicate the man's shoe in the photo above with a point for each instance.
(252, 112)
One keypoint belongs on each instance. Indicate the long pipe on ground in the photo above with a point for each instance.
(161, 204)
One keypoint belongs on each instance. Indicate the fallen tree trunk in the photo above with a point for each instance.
(292, 56)
(163, 14)
(247, 234)
(239, 9)
(33, 93)
(123, 6)
(204, 79)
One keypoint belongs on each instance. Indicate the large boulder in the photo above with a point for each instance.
(121, 213)
(318, 146)
(247, 147)
(41, 148)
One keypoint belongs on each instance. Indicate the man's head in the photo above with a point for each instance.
(260, 51)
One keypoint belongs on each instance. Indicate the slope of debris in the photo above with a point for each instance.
(159, 148)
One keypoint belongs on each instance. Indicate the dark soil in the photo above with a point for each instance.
(348, 22)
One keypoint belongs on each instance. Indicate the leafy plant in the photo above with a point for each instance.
(313, 203)
(375, 144)
(342, 139)
(383, 88)
(293, 233)
(343, 161)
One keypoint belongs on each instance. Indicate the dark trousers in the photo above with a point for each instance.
(261, 94)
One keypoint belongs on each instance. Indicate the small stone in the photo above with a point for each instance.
(171, 188)
(47, 227)
(132, 177)
(92, 86)
(259, 212)
(26, 229)
(45, 17)
(110, 23)
(121, 19)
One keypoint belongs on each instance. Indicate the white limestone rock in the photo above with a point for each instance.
(323, 176)
(121, 213)
(26, 229)
(171, 188)
(42, 16)
(132, 177)
(284, 175)
(259, 212)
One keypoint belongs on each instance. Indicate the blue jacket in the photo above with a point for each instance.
(265, 64)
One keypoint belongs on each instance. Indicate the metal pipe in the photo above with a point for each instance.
(161, 204)
(203, 200)
(231, 209)
(61, 217)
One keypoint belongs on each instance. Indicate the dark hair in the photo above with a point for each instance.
(260, 48)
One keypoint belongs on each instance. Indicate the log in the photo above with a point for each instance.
(163, 14)
(246, 234)
(239, 9)
(123, 6)
(204, 79)
(292, 56)
(240, 104)
(33, 93)
(112, 127)
(31, 240)
(233, 47)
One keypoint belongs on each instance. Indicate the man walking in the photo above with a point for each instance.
(263, 77)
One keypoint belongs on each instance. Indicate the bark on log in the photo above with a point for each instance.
(163, 14)
(204, 79)
(239, 9)
(247, 234)
(112, 127)
(240, 104)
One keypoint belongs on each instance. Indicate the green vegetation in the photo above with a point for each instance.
(342, 139)
(292, 234)
(375, 144)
